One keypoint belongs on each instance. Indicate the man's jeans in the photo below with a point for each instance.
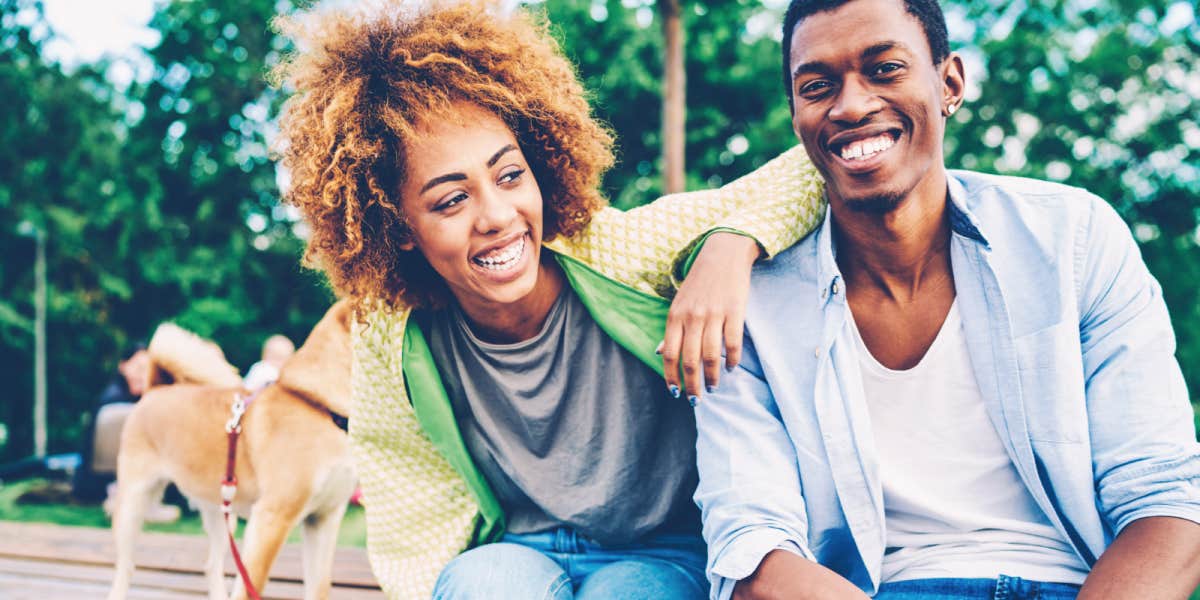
(562, 565)
(1003, 588)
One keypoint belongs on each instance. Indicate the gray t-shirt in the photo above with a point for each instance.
(569, 428)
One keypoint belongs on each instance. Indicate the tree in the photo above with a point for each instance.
(674, 96)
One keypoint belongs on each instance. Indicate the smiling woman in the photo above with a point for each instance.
(511, 426)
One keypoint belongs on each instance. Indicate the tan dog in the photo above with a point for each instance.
(293, 462)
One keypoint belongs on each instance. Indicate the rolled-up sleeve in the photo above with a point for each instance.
(1145, 456)
(750, 493)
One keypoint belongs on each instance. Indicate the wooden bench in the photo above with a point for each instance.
(51, 562)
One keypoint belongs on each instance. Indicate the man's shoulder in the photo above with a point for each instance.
(1007, 205)
(982, 188)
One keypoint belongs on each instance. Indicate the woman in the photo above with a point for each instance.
(507, 395)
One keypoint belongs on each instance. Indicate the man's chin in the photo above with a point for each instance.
(876, 204)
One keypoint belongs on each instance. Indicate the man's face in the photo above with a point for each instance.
(870, 103)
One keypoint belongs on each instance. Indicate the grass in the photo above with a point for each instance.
(53, 505)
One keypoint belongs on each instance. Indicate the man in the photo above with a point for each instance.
(961, 385)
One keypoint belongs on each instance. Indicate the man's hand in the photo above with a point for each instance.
(1152, 558)
(707, 314)
(783, 574)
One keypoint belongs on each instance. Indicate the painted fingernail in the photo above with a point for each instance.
(692, 400)
(674, 389)
(710, 388)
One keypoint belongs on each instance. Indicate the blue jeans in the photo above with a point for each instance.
(1002, 588)
(563, 565)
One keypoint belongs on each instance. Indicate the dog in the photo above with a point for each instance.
(293, 462)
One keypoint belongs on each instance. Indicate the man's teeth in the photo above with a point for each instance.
(504, 258)
(867, 148)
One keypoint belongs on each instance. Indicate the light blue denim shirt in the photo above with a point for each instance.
(1071, 345)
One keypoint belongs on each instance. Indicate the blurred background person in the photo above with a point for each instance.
(275, 351)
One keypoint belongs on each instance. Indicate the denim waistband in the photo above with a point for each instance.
(1004, 587)
(567, 540)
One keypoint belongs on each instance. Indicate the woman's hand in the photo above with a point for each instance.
(708, 314)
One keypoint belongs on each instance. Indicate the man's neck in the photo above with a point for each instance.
(896, 253)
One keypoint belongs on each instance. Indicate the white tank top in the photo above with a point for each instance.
(953, 501)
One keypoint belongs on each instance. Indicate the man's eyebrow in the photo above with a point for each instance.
(870, 52)
(462, 176)
(877, 49)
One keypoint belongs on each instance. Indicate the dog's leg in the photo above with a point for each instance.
(214, 567)
(133, 497)
(266, 530)
(320, 543)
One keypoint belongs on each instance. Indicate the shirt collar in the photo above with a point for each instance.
(829, 277)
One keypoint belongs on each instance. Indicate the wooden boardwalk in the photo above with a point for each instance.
(49, 562)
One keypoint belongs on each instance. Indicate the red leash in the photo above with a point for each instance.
(229, 487)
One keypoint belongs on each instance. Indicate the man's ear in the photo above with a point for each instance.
(954, 83)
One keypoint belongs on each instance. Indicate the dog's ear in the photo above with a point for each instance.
(320, 369)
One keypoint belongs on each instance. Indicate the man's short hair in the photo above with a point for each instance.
(927, 12)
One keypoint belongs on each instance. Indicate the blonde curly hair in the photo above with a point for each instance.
(362, 82)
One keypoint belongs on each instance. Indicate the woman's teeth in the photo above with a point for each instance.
(867, 148)
(503, 258)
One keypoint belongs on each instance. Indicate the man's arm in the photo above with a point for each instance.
(1154, 557)
(783, 574)
(751, 496)
(1144, 451)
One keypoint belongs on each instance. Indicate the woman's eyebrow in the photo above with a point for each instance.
(501, 152)
(462, 176)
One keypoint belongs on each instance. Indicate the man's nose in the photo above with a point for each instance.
(855, 102)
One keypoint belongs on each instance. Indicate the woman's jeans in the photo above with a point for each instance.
(1003, 588)
(561, 565)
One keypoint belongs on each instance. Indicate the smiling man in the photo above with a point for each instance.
(962, 385)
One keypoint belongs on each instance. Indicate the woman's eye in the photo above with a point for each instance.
(450, 201)
(511, 176)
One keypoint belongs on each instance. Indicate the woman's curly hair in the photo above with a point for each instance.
(363, 82)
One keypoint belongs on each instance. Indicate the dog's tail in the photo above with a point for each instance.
(185, 357)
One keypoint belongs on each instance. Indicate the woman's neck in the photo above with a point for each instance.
(521, 320)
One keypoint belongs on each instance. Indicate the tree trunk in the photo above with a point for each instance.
(674, 97)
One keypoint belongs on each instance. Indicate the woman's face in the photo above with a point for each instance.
(474, 208)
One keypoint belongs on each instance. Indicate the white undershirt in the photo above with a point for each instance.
(954, 503)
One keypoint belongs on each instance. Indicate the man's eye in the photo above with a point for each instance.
(450, 201)
(813, 88)
(511, 176)
(888, 68)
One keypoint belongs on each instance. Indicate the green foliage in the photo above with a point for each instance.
(159, 200)
(147, 196)
(735, 118)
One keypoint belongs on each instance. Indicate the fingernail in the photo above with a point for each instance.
(729, 368)
(658, 350)
(674, 391)
(692, 400)
(710, 388)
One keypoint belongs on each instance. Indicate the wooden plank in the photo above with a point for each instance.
(166, 553)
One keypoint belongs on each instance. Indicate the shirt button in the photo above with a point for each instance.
(817, 352)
